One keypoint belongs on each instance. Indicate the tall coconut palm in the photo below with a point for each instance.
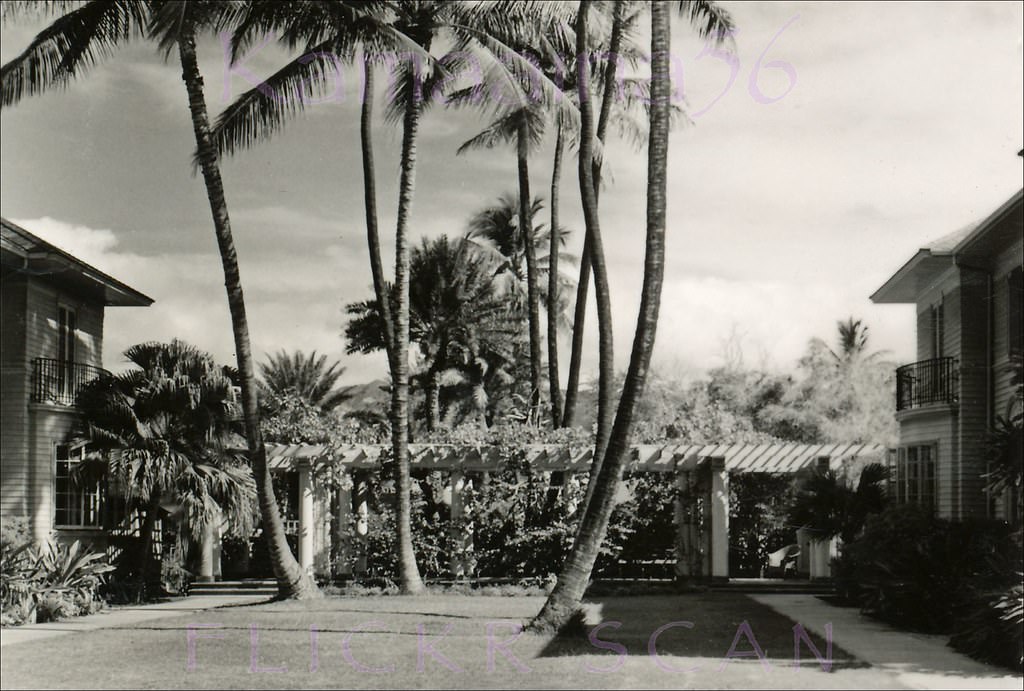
(524, 127)
(568, 591)
(66, 49)
(163, 430)
(620, 98)
(308, 376)
(496, 231)
(416, 83)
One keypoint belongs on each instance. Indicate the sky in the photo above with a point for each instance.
(843, 137)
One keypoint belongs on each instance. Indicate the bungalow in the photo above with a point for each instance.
(967, 291)
(52, 344)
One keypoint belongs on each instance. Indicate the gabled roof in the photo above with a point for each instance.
(25, 251)
(924, 268)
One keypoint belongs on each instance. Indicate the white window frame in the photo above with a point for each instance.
(90, 500)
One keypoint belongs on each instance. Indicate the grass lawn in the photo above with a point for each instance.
(445, 641)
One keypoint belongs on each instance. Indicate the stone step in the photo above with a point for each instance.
(240, 587)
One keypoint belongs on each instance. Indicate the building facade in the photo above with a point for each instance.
(52, 343)
(967, 292)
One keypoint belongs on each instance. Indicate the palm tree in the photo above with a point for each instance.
(564, 599)
(458, 320)
(69, 46)
(829, 504)
(620, 98)
(525, 127)
(164, 429)
(419, 23)
(307, 376)
(495, 230)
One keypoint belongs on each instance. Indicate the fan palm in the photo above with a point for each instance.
(308, 376)
(67, 48)
(164, 429)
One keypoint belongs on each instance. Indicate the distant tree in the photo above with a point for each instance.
(843, 395)
(308, 376)
(458, 321)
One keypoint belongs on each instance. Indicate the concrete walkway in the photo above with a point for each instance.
(916, 660)
(114, 617)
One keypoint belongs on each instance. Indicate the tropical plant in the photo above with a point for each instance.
(495, 230)
(829, 505)
(1005, 446)
(49, 581)
(308, 376)
(415, 85)
(66, 49)
(461, 326)
(164, 429)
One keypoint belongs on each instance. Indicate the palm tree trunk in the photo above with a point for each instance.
(292, 582)
(572, 583)
(572, 386)
(583, 284)
(409, 574)
(553, 308)
(606, 366)
(370, 202)
(532, 280)
(433, 400)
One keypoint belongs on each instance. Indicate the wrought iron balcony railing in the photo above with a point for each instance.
(927, 382)
(59, 381)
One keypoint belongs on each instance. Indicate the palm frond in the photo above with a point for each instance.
(70, 45)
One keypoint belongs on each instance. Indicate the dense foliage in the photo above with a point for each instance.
(47, 581)
(924, 573)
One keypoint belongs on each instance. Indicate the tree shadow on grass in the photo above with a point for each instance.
(698, 625)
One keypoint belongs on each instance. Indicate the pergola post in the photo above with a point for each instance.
(461, 531)
(343, 564)
(685, 543)
(362, 508)
(719, 519)
(306, 520)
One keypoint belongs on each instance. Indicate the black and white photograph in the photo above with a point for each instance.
(511, 344)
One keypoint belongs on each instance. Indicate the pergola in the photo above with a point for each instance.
(701, 470)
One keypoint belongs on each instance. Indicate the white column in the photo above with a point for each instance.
(206, 553)
(218, 544)
(456, 564)
(306, 526)
(719, 519)
(684, 526)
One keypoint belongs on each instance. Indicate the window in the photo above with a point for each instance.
(912, 475)
(78, 499)
(66, 337)
(938, 341)
(1015, 318)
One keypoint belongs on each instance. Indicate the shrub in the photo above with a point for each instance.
(919, 572)
(50, 581)
(994, 629)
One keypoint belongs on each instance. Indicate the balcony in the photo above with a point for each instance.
(926, 383)
(58, 382)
